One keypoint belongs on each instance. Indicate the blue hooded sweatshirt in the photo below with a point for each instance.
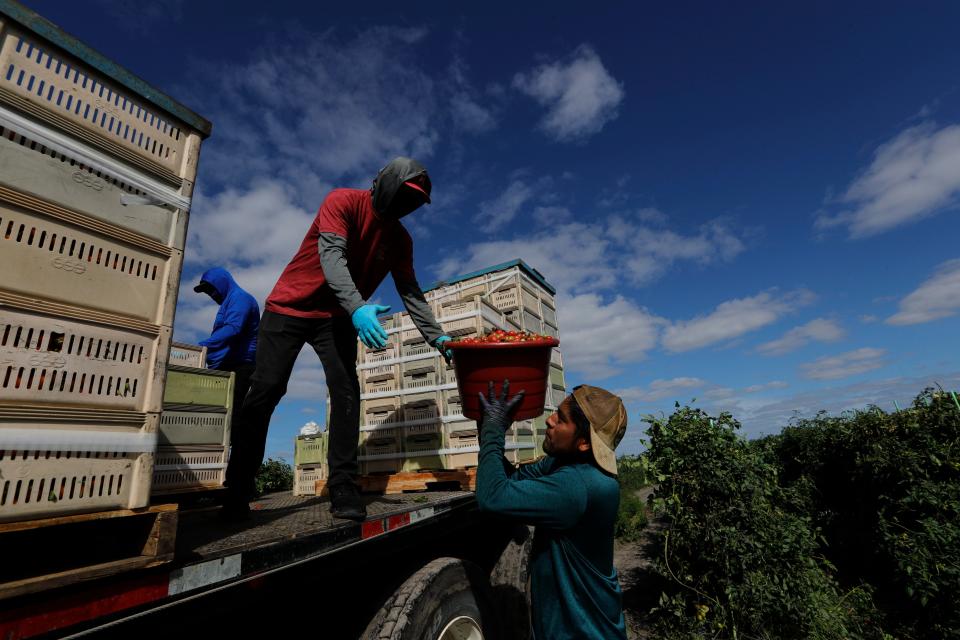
(234, 337)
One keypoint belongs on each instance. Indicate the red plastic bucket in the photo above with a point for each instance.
(526, 365)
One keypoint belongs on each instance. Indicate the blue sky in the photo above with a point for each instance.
(753, 205)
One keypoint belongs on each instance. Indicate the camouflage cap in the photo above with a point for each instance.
(608, 423)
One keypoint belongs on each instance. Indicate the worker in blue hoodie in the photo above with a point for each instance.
(233, 344)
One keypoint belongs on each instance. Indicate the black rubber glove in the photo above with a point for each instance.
(498, 412)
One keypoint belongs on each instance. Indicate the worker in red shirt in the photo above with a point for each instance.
(321, 299)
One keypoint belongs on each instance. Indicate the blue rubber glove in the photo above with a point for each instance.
(446, 353)
(368, 327)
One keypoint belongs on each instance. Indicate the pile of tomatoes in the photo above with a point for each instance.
(501, 336)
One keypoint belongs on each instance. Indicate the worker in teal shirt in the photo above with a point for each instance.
(571, 497)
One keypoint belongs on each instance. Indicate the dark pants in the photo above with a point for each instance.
(242, 373)
(278, 344)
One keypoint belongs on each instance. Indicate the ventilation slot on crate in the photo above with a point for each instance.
(72, 92)
(88, 175)
(85, 253)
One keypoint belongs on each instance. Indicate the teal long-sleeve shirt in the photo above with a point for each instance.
(575, 592)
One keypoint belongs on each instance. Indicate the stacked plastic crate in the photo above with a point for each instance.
(96, 174)
(410, 407)
(309, 463)
(194, 439)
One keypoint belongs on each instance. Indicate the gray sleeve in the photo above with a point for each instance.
(419, 310)
(333, 260)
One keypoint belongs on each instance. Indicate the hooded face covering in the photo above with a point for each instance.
(391, 197)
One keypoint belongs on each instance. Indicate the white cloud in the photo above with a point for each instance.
(764, 416)
(579, 93)
(868, 318)
(757, 388)
(662, 389)
(307, 382)
(732, 319)
(494, 214)
(913, 176)
(938, 297)
(321, 110)
(465, 108)
(551, 216)
(844, 365)
(597, 256)
(598, 338)
(820, 330)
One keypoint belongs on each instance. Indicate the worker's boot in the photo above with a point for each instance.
(345, 502)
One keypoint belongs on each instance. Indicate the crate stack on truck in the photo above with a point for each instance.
(310, 461)
(410, 417)
(96, 174)
(194, 439)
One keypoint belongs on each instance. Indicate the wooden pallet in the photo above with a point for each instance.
(55, 552)
(456, 479)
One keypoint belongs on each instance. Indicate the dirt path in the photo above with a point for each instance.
(640, 588)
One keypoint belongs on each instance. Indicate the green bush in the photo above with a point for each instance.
(274, 475)
(738, 551)
(885, 491)
(634, 474)
(631, 517)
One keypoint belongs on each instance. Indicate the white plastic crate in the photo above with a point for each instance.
(182, 425)
(549, 315)
(451, 402)
(380, 386)
(368, 356)
(61, 461)
(413, 402)
(449, 374)
(462, 444)
(84, 100)
(477, 325)
(556, 358)
(531, 322)
(189, 468)
(530, 300)
(420, 380)
(30, 167)
(512, 320)
(421, 447)
(376, 374)
(305, 479)
(458, 306)
(380, 450)
(64, 361)
(71, 259)
(416, 348)
(505, 299)
(421, 365)
(547, 298)
(376, 405)
(410, 335)
(550, 331)
(188, 355)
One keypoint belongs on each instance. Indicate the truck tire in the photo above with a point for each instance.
(510, 580)
(448, 599)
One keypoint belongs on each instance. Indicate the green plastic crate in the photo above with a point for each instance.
(421, 450)
(188, 385)
(310, 450)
